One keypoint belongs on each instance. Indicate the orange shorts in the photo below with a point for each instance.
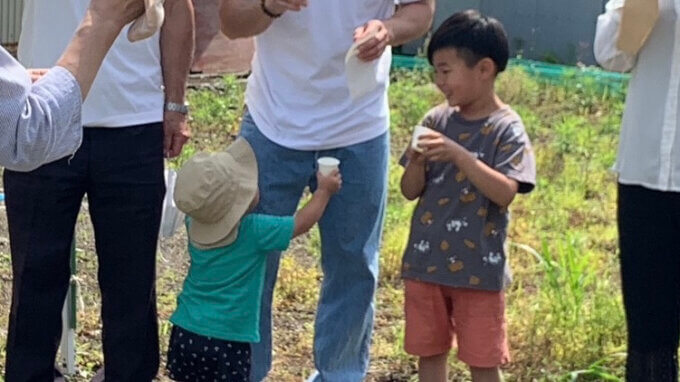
(438, 316)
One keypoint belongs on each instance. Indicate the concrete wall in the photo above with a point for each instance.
(10, 21)
(552, 30)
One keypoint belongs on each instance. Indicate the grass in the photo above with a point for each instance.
(564, 309)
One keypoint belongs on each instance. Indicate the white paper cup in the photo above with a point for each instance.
(327, 165)
(417, 133)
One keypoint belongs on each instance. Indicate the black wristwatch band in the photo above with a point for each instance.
(268, 12)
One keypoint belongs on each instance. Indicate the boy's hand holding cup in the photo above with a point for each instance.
(439, 148)
(418, 132)
(328, 177)
(415, 151)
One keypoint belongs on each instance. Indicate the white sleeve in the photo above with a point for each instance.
(606, 36)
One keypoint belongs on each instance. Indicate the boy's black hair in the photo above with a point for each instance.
(474, 37)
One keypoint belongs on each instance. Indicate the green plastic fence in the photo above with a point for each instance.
(550, 72)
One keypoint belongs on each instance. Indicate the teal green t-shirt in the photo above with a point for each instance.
(222, 292)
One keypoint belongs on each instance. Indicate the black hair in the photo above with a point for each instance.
(474, 37)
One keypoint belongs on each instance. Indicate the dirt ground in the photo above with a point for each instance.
(293, 321)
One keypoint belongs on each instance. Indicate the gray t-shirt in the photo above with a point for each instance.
(457, 234)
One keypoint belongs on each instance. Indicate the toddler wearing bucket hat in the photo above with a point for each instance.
(218, 309)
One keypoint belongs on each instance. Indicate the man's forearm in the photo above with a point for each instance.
(243, 18)
(86, 52)
(177, 48)
(410, 21)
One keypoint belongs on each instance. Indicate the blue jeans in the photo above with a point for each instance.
(350, 240)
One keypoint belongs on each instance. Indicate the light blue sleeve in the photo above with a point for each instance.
(41, 122)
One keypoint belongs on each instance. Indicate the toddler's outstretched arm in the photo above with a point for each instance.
(313, 211)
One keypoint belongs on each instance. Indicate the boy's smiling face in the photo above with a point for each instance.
(461, 84)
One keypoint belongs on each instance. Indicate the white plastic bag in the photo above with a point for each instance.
(172, 217)
(364, 77)
(149, 23)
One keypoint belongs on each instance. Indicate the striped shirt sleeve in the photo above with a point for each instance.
(41, 122)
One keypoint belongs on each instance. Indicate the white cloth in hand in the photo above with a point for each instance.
(149, 23)
(363, 77)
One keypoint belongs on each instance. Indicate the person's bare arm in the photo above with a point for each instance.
(313, 211)
(499, 188)
(409, 22)
(177, 48)
(41, 122)
(100, 27)
(245, 18)
(413, 180)
(493, 184)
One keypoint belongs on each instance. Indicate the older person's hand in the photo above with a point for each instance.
(176, 133)
(36, 74)
(121, 12)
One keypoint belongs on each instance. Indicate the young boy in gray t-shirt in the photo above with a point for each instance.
(473, 163)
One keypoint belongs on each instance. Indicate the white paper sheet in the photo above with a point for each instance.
(362, 77)
(149, 23)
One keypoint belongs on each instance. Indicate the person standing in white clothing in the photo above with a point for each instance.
(300, 109)
(648, 167)
(134, 116)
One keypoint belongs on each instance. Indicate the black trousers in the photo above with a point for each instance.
(649, 231)
(121, 171)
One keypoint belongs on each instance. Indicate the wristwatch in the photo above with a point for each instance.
(177, 107)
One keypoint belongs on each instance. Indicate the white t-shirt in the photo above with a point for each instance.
(298, 94)
(128, 88)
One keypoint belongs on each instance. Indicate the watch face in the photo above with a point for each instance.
(176, 107)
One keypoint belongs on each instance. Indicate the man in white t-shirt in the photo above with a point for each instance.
(133, 117)
(300, 109)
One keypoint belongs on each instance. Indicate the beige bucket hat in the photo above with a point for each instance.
(215, 190)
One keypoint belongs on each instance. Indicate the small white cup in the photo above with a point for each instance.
(327, 165)
(417, 133)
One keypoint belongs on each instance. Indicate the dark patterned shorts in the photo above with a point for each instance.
(192, 357)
